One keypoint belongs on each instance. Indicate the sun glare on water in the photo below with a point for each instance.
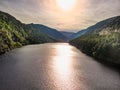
(66, 4)
(63, 58)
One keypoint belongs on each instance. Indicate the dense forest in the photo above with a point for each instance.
(102, 43)
(14, 34)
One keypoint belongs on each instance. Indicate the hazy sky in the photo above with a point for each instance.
(48, 12)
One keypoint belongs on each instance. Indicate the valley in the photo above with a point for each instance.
(101, 41)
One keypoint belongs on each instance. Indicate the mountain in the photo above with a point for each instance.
(101, 41)
(92, 29)
(109, 24)
(76, 35)
(37, 35)
(53, 33)
(14, 34)
(67, 34)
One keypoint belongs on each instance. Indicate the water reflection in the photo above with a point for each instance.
(63, 67)
(62, 60)
(55, 66)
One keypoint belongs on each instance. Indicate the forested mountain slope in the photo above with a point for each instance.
(46, 31)
(14, 34)
(102, 43)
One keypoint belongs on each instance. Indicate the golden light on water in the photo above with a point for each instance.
(63, 68)
(63, 60)
(66, 4)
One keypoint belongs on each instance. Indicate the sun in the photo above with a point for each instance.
(66, 4)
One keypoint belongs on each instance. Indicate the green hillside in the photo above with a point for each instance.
(36, 36)
(14, 34)
(104, 44)
(53, 33)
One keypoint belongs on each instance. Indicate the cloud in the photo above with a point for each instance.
(84, 14)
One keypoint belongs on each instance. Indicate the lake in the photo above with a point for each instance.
(54, 66)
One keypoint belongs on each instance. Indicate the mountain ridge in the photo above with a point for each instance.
(49, 31)
(94, 28)
(102, 43)
(14, 33)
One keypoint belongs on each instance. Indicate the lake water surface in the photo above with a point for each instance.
(54, 66)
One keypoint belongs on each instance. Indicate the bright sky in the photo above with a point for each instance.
(67, 15)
